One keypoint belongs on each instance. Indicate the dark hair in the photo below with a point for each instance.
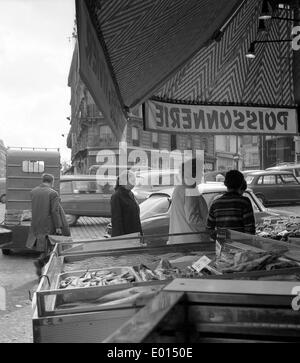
(244, 186)
(234, 179)
(48, 178)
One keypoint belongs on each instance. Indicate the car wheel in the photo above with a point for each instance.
(6, 252)
(3, 198)
(71, 219)
(262, 199)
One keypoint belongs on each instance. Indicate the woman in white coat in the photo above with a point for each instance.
(188, 212)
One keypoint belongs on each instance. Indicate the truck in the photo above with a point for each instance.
(24, 170)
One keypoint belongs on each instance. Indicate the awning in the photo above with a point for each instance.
(183, 51)
(221, 73)
(144, 42)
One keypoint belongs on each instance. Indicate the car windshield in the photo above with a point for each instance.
(155, 205)
(159, 204)
(249, 179)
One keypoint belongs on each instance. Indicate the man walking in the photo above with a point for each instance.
(232, 210)
(46, 220)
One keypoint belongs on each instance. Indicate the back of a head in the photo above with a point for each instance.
(234, 179)
(48, 178)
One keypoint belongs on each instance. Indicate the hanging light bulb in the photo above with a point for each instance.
(265, 12)
(251, 52)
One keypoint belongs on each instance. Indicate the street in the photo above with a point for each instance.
(17, 276)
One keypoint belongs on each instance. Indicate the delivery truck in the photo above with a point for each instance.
(24, 170)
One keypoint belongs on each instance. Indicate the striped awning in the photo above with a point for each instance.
(148, 41)
(220, 72)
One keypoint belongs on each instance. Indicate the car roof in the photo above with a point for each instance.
(203, 188)
(270, 172)
(284, 167)
(85, 177)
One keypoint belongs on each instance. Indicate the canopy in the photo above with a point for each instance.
(181, 50)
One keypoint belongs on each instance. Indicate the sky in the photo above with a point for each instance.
(35, 58)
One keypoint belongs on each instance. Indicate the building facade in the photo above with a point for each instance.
(228, 152)
(2, 160)
(90, 133)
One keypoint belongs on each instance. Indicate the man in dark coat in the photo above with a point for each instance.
(125, 211)
(46, 220)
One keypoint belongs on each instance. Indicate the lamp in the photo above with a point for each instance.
(251, 52)
(265, 12)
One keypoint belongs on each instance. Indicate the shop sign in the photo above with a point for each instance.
(95, 71)
(179, 118)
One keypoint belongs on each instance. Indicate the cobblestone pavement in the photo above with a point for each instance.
(17, 276)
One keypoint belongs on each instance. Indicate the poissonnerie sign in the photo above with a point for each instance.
(175, 118)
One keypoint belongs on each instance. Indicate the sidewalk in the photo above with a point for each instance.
(16, 321)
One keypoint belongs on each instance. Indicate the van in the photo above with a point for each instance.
(2, 190)
(294, 168)
(86, 196)
(24, 170)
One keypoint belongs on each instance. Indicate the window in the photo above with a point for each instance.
(289, 179)
(155, 143)
(65, 188)
(269, 179)
(249, 179)
(205, 144)
(189, 143)
(33, 166)
(279, 180)
(135, 136)
(92, 187)
(173, 142)
(106, 135)
(227, 143)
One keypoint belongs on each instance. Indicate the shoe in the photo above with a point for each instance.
(38, 268)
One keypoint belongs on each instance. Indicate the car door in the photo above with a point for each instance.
(291, 192)
(265, 188)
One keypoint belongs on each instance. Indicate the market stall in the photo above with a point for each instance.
(89, 291)
(201, 311)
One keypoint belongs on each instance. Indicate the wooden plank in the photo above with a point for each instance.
(145, 321)
(232, 286)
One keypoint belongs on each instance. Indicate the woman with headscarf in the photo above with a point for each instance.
(125, 211)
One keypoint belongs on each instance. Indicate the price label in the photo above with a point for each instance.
(201, 263)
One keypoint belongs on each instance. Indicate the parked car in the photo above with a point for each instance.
(2, 190)
(148, 182)
(247, 172)
(155, 216)
(294, 168)
(86, 195)
(274, 187)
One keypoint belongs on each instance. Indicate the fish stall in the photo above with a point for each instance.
(90, 289)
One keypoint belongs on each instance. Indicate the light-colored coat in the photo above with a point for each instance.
(188, 213)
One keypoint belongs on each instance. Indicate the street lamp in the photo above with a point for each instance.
(251, 51)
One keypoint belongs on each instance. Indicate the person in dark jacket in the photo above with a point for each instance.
(47, 219)
(125, 211)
